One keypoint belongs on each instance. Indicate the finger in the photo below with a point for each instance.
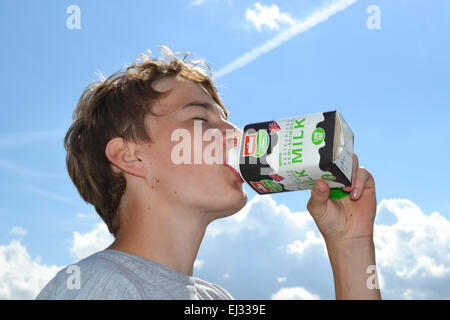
(317, 204)
(355, 167)
(363, 179)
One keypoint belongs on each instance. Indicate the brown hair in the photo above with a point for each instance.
(116, 107)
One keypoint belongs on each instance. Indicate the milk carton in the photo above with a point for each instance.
(293, 153)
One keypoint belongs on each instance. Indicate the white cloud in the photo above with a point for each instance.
(243, 221)
(197, 2)
(298, 247)
(85, 244)
(281, 279)
(198, 264)
(295, 293)
(18, 231)
(268, 16)
(83, 215)
(266, 239)
(21, 277)
(413, 250)
(320, 15)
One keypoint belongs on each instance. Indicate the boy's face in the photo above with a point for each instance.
(212, 188)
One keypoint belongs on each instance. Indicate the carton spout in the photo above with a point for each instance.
(232, 158)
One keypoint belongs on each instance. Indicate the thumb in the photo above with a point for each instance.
(317, 204)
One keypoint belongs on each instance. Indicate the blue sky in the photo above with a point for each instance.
(391, 85)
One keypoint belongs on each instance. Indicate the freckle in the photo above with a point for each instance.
(157, 180)
(148, 208)
(175, 192)
(153, 187)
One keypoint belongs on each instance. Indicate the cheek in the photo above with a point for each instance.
(197, 181)
(198, 175)
(187, 179)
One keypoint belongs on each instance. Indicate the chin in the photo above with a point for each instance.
(239, 204)
(230, 203)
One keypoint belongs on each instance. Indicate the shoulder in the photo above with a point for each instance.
(95, 277)
(211, 290)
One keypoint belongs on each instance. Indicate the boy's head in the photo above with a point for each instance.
(120, 146)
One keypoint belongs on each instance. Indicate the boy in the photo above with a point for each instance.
(120, 157)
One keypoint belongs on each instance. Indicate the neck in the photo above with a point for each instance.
(165, 234)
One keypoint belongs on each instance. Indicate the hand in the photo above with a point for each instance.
(349, 219)
(347, 227)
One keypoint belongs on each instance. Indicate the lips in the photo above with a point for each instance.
(237, 175)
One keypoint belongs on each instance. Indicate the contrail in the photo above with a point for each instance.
(47, 194)
(12, 167)
(318, 16)
(13, 140)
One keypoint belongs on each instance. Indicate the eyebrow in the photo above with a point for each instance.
(206, 105)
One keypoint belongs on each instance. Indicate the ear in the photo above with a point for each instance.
(123, 157)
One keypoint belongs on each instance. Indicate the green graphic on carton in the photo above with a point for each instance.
(256, 144)
(266, 186)
(318, 136)
(272, 185)
(303, 179)
(328, 177)
(292, 147)
(262, 143)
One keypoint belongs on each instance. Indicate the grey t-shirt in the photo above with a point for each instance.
(112, 274)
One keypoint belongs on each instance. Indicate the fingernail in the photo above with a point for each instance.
(355, 194)
(319, 189)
